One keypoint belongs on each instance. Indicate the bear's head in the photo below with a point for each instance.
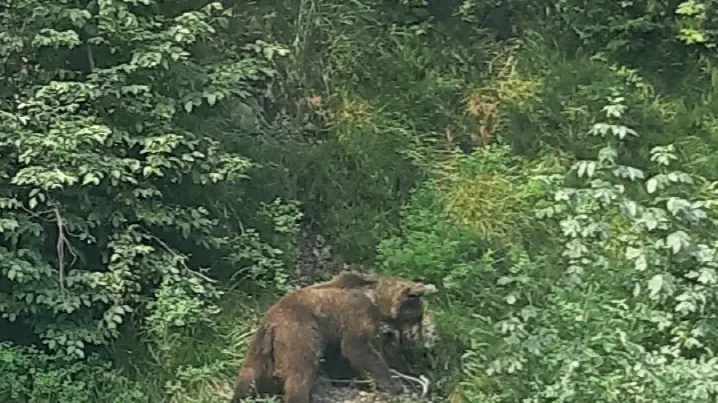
(400, 302)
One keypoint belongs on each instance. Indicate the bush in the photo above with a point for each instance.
(30, 375)
(607, 297)
(110, 215)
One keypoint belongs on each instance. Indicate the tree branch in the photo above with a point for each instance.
(62, 243)
(181, 259)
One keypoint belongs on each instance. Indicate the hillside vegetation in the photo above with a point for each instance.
(169, 168)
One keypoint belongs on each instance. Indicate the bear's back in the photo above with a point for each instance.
(330, 310)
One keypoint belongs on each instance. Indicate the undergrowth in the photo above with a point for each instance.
(199, 366)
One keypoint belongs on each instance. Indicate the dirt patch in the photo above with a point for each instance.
(326, 393)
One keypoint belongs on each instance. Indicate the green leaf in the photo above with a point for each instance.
(90, 178)
(630, 207)
(629, 173)
(607, 154)
(504, 280)
(591, 169)
(707, 276)
(641, 263)
(211, 99)
(655, 284)
(675, 205)
(632, 253)
(652, 185)
(677, 241)
(650, 220)
(586, 168)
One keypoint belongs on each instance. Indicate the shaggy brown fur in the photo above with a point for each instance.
(346, 311)
(409, 320)
(398, 300)
(348, 279)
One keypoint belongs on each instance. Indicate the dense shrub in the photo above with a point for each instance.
(32, 376)
(113, 209)
(610, 300)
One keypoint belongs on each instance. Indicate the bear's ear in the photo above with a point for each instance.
(421, 290)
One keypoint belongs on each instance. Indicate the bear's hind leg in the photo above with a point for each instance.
(297, 350)
(298, 388)
(247, 383)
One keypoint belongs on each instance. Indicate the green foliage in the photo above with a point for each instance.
(639, 258)
(198, 364)
(609, 298)
(437, 243)
(32, 376)
(354, 123)
(107, 197)
(550, 165)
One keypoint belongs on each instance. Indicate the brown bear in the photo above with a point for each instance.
(401, 342)
(285, 352)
